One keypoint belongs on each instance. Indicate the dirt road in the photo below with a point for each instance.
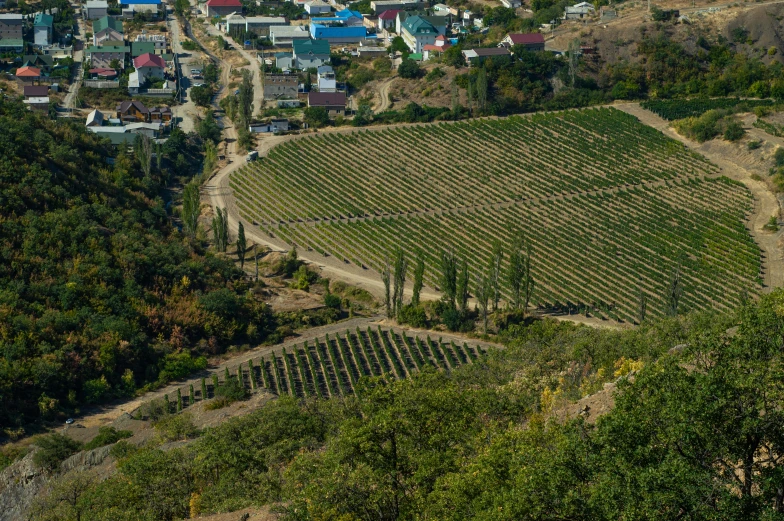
(765, 202)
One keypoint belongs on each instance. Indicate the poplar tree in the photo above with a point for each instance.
(252, 374)
(484, 292)
(191, 208)
(448, 278)
(179, 400)
(674, 293)
(386, 279)
(203, 388)
(242, 245)
(191, 395)
(419, 274)
(462, 287)
(496, 259)
(401, 266)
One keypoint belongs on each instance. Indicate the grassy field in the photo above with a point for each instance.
(610, 206)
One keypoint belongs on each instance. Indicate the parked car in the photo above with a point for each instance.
(69, 421)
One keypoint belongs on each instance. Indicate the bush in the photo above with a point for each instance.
(734, 131)
(107, 436)
(202, 96)
(303, 278)
(316, 117)
(189, 45)
(413, 315)
(779, 156)
(409, 69)
(332, 301)
(227, 393)
(177, 427)
(754, 145)
(53, 449)
(122, 449)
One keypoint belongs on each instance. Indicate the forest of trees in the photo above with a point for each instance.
(695, 433)
(100, 294)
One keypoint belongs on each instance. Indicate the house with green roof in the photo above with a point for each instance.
(418, 32)
(42, 30)
(40, 61)
(107, 29)
(139, 48)
(310, 53)
(102, 56)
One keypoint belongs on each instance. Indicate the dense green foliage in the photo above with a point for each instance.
(679, 109)
(99, 293)
(695, 433)
(53, 449)
(107, 436)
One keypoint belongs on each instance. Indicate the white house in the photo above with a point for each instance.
(578, 11)
(418, 32)
(149, 66)
(284, 35)
(94, 9)
(42, 29)
(326, 79)
(317, 7)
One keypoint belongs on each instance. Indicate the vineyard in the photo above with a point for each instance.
(609, 206)
(679, 109)
(332, 366)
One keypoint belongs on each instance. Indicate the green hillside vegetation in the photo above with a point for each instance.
(99, 293)
(609, 207)
(695, 433)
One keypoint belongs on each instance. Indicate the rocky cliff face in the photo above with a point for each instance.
(21, 481)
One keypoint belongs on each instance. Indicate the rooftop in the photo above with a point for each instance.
(28, 72)
(311, 47)
(141, 2)
(488, 51)
(281, 31)
(224, 3)
(149, 60)
(321, 31)
(43, 20)
(36, 91)
(320, 99)
(107, 48)
(526, 38)
(417, 25)
(107, 22)
(279, 20)
(97, 4)
(389, 14)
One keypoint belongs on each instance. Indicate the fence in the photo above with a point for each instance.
(99, 84)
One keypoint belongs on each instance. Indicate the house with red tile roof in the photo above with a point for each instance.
(386, 20)
(28, 73)
(223, 7)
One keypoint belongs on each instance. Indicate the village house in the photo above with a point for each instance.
(139, 48)
(439, 22)
(260, 25)
(326, 81)
(95, 9)
(285, 35)
(40, 61)
(36, 91)
(333, 102)
(107, 28)
(511, 4)
(418, 32)
(578, 11)
(223, 7)
(94, 118)
(280, 86)
(102, 74)
(477, 56)
(135, 112)
(152, 8)
(11, 32)
(317, 7)
(28, 74)
(386, 20)
(343, 18)
(379, 6)
(275, 125)
(310, 53)
(149, 66)
(235, 23)
(42, 30)
(104, 55)
(41, 103)
(531, 41)
(437, 48)
(337, 35)
(158, 41)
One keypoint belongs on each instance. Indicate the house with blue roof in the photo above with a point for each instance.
(346, 17)
(42, 29)
(337, 34)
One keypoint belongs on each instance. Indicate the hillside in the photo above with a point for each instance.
(99, 293)
(567, 184)
(693, 432)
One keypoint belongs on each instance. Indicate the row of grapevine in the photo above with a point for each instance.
(625, 207)
(685, 108)
(332, 366)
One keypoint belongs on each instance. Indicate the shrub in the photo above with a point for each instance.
(772, 224)
(107, 436)
(435, 74)
(53, 449)
(734, 131)
(177, 427)
(227, 393)
(316, 117)
(754, 145)
(778, 157)
(122, 449)
(413, 315)
(202, 96)
(409, 69)
(303, 278)
(332, 301)
(189, 45)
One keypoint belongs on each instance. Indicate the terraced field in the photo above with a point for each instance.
(610, 206)
(332, 366)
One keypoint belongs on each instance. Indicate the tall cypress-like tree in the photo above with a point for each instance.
(191, 395)
(179, 400)
(191, 208)
(519, 276)
(462, 287)
(448, 278)
(496, 259)
(674, 293)
(242, 245)
(419, 276)
(203, 388)
(386, 279)
(220, 229)
(484, 293)
(400, 268)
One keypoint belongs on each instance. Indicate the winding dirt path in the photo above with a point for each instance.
(383, 94)
(765, 202)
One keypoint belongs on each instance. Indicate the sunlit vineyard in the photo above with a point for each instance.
(679, 109)
(610, 206)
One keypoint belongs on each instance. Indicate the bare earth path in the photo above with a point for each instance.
(765, 202)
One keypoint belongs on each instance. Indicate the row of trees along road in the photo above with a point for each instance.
(456, 281)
